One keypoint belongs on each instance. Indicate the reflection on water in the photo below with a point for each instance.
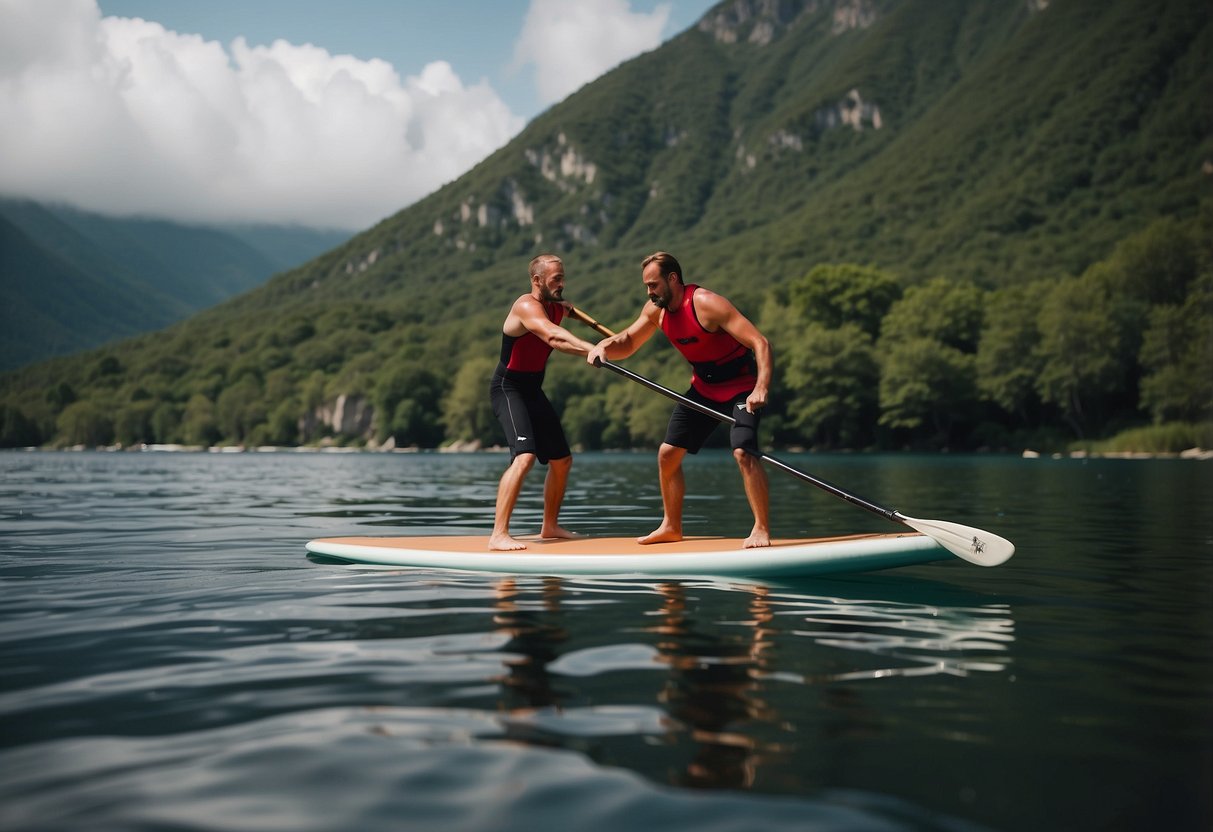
(534, 636)
(920, 640)
(713, 691)
(713, 708)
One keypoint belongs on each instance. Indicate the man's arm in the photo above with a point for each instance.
(716, 312)
(623, 344)
(534, 319)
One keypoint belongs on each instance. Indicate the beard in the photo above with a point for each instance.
(550, 296)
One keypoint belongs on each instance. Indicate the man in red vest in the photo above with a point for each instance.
(530, 332)
(732, 374)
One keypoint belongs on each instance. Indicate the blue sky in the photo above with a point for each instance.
(291, 111)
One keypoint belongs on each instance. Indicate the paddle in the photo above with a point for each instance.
(974, 545)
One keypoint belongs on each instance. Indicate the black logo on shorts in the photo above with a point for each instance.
(692, 340)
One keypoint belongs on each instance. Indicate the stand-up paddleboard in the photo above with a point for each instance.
(699, 556)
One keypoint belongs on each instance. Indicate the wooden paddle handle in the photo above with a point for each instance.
(576, 313)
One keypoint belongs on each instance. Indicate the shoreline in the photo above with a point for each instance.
(1199, 454)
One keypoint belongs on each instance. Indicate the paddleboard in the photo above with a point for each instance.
(697, 556)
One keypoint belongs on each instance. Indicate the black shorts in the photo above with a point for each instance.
(689, 429)
(527, 418)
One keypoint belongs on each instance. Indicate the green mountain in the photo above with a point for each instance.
(943, 167)
(71, 280)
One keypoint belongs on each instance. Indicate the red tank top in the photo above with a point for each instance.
(528, 353)
(699, 346)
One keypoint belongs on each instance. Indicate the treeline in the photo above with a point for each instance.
(862, 362)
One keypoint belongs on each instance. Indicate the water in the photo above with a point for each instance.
(173, 660)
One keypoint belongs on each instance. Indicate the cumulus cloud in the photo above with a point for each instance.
(571, 44)
(122, 116)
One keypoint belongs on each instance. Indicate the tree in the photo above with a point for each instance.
(585, 420)
(240, 408)
(166, 420)
(925, 383)
(133, 423)
(85, 423)
(466, 412)
(832, 379)
(928, 375)
(942, 310)
(835, 294)
(1177, 355)
(407, 398)
(1085, 360)
(16, 429)
(198, 424)
(1007, 360)
(282, 426)
(1156, 265)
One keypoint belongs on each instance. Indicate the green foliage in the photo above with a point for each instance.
(1177, 355)
(199, 425)
(927, 355)
(1085, 362)
(466, 412)
(926, 386)
(1008, 362)
(832, 377)
(16, 429)
(942, 310)
(1171, 438)
(85, 423)
(836, 294)
(1014, 148)
(409, 396)
(133, 423)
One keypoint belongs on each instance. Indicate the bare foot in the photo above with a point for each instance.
(557, 531)
(757, 539)
(662, 534)
(504, 543)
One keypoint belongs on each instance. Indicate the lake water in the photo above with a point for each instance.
(172, 659)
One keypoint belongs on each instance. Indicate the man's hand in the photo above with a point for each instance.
(756, 400)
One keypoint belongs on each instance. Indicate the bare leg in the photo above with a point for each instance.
(507, 495)
(673, 489)
(553, 496)
(758, 493)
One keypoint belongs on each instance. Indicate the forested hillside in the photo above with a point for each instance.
(963, 223)
(70, 280)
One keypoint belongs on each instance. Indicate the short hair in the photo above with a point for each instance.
(666, 262)
(541, 261)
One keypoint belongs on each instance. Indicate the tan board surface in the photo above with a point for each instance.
(618, 546)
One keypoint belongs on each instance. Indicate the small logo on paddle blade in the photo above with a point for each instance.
(977, 546)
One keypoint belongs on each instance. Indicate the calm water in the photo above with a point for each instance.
(173, 660)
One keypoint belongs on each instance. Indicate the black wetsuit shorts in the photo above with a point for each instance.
(527, 418)
(689, 429)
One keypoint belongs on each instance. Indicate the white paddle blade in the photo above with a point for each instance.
(974, 545)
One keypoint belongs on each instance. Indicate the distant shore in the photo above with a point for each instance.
(1190, 453)
(475, 447)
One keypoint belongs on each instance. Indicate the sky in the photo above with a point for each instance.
(304, 112)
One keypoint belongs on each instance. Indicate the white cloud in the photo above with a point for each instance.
(122, 116)
(570, 44)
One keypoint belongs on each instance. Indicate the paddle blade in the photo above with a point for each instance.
(974, 545)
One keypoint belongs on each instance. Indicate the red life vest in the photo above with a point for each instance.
(723, 366)
(528, 353)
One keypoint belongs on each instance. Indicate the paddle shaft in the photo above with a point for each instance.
(887, 513)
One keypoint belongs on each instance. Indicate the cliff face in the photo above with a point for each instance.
(762, 21)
